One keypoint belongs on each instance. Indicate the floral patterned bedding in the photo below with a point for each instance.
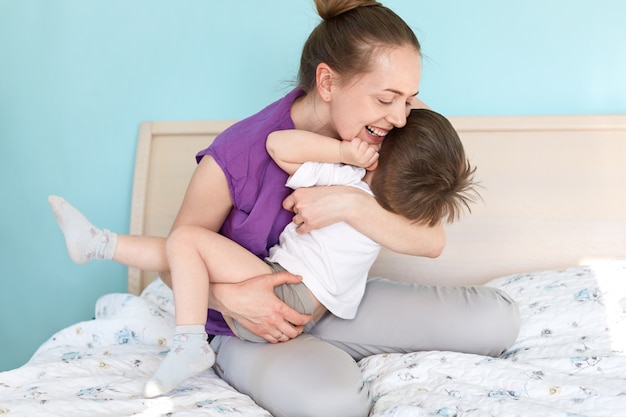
(569, 360)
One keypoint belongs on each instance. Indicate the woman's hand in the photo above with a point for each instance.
(255, 306)
(317, 207)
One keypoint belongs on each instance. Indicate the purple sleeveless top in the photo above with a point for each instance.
(256, 183)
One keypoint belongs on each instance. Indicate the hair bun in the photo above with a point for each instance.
(328, 9)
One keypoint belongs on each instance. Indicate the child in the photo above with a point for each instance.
(422, 174)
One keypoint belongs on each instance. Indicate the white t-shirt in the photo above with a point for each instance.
(333, 261)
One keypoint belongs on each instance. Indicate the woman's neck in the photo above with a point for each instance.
(310, 113)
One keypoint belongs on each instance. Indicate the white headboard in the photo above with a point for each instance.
(554, 191)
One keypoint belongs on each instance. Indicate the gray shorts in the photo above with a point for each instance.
(296, 296)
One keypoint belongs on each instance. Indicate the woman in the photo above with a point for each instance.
(359, 76)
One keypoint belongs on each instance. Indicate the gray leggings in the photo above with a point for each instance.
(317, 375)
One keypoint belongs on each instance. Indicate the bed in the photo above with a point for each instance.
(551, 231)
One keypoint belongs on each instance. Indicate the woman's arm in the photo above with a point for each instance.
(253, 303)
(317, 207)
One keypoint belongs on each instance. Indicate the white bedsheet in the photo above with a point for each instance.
(569, 360)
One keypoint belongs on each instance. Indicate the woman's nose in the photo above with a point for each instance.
(397, 117)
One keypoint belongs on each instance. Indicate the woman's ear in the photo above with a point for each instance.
(325, 78)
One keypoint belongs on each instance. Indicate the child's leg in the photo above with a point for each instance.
(189, 355)
(85, 241)
(196, 256)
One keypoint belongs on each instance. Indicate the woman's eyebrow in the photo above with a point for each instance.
(393, 90)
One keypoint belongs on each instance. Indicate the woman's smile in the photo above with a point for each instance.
(376, 135)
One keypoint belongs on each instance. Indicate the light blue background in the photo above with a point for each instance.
(78, 76)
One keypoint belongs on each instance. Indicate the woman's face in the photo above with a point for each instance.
(372, 104)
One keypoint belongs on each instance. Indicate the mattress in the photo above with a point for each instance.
(569, 360)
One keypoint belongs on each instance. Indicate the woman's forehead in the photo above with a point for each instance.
(396, 71)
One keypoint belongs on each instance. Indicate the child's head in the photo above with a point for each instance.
(422, 171)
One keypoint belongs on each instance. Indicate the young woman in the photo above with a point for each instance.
(359, 76)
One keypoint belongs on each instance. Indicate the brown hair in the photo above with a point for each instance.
(422, 171)
(350, 32)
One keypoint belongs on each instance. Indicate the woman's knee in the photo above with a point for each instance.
(339, 397)
(505, 322)
(304, 377)
(486, 320)
(323, 389)
(514, 319)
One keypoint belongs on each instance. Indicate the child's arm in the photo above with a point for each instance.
(291, 148)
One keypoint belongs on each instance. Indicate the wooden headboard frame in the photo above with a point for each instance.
(554, 191)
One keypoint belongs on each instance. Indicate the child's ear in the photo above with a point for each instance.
(325, 78)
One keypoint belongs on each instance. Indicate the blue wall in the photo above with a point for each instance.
(77, 77)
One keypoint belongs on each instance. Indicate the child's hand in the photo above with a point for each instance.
(358, 152)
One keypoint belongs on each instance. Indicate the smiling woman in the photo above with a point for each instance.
(385, 93)
(377, 83)
(74, 88)
(570, 345)
(238, 191)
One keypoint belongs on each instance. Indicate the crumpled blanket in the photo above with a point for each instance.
(569, 360)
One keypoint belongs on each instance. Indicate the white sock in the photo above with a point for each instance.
(190, 354)
(84, 241)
